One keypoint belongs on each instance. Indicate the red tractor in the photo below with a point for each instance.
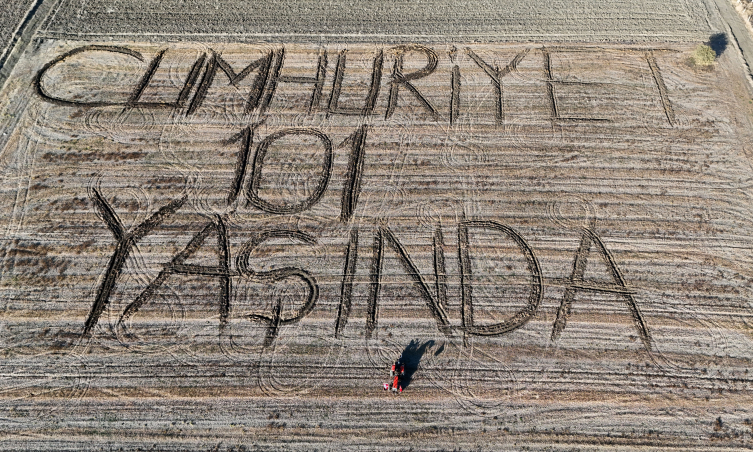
(396, 373)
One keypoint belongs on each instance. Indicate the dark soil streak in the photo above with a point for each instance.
(656, 73)
(346, 289)
(354, 175)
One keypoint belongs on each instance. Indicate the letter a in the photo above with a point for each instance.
(578, 283)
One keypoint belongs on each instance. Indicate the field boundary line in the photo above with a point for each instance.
(388, 38)
(23, 35)
(17, 32)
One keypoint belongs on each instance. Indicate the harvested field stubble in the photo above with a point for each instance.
(222, 245)
(366, 20)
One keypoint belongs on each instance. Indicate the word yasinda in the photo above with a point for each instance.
(394, 87)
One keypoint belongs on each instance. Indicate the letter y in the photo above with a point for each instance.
(125, 242)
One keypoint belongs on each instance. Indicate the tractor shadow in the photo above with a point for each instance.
(412, 355)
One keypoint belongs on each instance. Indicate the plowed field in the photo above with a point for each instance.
(217, 245)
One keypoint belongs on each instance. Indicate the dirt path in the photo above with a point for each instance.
(741, 37)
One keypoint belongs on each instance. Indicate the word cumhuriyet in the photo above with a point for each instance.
(267, 73)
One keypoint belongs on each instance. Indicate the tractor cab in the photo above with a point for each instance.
(396, 373)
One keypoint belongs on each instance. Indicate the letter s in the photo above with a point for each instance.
(277, 319)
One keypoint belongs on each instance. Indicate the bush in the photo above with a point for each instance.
(703, 55)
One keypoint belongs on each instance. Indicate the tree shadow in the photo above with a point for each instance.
(411, 357)
(718, 43)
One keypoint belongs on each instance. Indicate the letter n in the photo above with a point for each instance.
(435, 305)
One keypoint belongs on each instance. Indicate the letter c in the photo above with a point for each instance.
(90, 48)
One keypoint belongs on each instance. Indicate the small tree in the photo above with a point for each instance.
(703, 55)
